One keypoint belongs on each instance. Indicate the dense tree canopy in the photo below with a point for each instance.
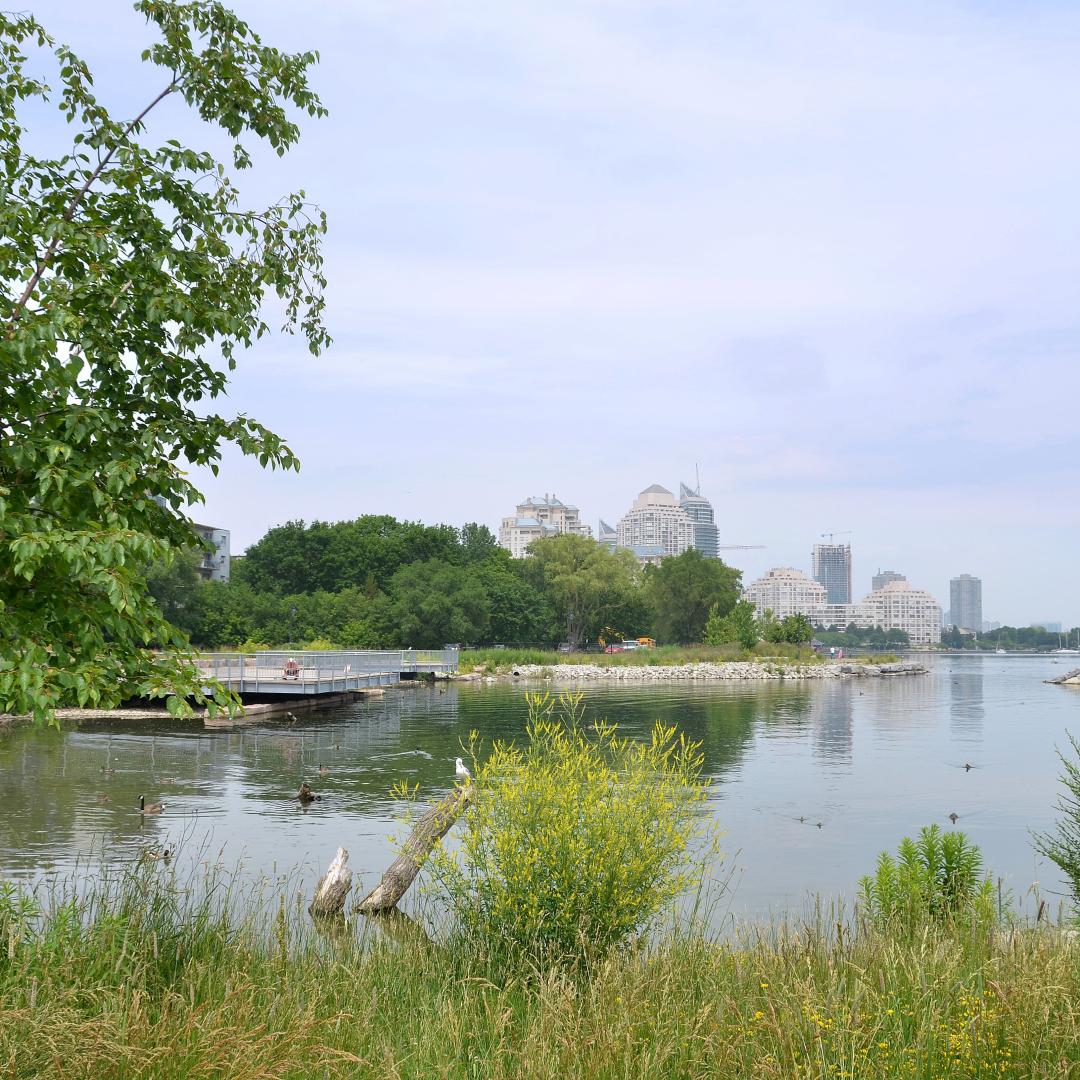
(589, 586)
(131, 276)
(684, 589)
(364, 553)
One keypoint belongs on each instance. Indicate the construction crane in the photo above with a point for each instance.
(830, 535)
(740, 547)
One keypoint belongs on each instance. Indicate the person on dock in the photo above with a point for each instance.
(292, 669)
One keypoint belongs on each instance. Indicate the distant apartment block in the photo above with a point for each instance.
(832, 568)
(786, 591)
(900, 607)
(897, 606)
(700, 512)
(215, 560)
(536, 519)
(655, 526)
(965, 602)
(884, 577)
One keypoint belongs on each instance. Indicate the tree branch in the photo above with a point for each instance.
(77, 199)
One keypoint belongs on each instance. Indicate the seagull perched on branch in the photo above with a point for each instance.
(461, 772)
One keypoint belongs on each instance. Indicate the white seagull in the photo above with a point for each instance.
(461, 772)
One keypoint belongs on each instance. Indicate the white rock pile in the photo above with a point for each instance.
(732, 672)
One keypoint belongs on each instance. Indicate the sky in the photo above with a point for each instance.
(825, 252)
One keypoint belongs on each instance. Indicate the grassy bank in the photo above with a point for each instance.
(501, 660)
(140, 981)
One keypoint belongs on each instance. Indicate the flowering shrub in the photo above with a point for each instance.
(574, 840)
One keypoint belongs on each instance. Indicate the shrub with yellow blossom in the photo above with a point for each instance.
(575, 839)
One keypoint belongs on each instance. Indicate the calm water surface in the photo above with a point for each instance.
(871, 760)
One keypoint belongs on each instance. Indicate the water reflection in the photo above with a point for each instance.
(871, 760)
(966, 713)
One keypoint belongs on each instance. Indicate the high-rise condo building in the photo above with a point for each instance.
(884, 577)
(700, 512)
(900, 607)
(536, 519)
(656, 525)
(832, 568)
(785, 591)
(965, 602)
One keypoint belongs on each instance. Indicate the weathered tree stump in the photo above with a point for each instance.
(333, 887)
(428, 831)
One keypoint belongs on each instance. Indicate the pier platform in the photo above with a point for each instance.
(317, 672)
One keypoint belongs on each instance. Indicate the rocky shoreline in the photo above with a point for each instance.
(735, 671)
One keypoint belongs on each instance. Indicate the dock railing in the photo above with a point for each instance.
(321, 671)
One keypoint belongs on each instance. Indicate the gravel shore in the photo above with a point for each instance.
(735, 671)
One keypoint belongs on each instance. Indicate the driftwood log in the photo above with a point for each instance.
(333, 887)
(433, 825)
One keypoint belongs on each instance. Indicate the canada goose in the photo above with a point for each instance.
(305, 794)
(968, 766)
(954, 818)
(150, 808)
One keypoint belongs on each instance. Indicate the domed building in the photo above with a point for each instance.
(656, 522)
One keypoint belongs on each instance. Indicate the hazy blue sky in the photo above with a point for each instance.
(828, 251)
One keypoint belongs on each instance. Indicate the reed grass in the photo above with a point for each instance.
(149, 978)
(503, 660)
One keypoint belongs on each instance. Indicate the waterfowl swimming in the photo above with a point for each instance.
(954, 818)
(164, 855)
(323, 770)
(150, 808)
(107, 770)
(305, 794)
(103, 798)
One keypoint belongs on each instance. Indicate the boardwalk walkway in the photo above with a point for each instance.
(318, 672)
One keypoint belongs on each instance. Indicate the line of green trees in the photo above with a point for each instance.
(1010, 637)
(378, 582)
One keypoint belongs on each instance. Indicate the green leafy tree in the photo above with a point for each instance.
(172, 584)
(684, 589)
(132, 275)
(796, 629)
(478, 542)
(738, 627)
(331, 556)
(434, 602)
(586, 584)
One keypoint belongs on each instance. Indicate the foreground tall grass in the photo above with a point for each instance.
(140, 979)
(501, 660)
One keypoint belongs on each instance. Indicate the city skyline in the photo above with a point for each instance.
(592, 246)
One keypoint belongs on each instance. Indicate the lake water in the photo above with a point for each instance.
(872, 760)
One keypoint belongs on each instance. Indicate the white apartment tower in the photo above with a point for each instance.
(538, 518)
(900, 607)
(786, 591)
(656, 521)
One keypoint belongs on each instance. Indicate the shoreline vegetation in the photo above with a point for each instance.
(546, 946)
(149, 978)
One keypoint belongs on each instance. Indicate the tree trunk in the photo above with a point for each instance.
(429, 830)
(333, 887)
